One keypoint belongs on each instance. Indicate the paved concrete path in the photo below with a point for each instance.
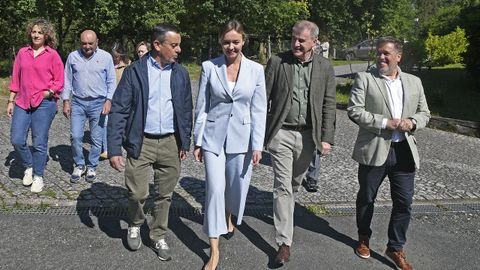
(447, 242)
(450, 172)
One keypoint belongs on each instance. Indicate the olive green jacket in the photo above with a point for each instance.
(279, 84)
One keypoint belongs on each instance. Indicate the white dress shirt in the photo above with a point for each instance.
(395, 99)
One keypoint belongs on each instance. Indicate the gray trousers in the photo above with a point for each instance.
(161, 155)
(226, 188)
(291, 152)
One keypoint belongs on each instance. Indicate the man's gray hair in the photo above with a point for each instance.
(397, 44)
(300, 26)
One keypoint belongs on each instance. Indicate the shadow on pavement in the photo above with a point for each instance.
(266, 159)
(90, 203)
(63, 155)
(183, 232)
(109, 217)
(314, 223)
(16, 168)
(303, 219)
(196, 188)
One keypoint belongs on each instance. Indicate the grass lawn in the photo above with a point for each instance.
(345, 62)
(4, 86)
(343, 92)
(193, 69)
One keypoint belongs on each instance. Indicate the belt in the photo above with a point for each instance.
(396, 144)
(156, 136)
(296, 128)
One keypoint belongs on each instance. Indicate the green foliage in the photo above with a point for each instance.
(451, 92)
(447, 49)
(342, 22)
(414, 55)
(343, 91)
(444, 20)
(470, 21)
(397, 19)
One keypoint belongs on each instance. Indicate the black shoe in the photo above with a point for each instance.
(228, 235)
(310, 185)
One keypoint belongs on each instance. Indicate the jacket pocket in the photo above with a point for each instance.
(211, 117)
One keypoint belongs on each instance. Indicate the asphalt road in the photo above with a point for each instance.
(436, 241)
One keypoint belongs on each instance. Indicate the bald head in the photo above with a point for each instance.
(89, 43)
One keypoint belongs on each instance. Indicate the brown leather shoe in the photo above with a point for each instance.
(283, 254)
(399, 259)
(363, 248)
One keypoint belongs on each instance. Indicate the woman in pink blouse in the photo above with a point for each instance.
(37, 80)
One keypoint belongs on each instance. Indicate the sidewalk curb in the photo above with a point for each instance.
(321, 209)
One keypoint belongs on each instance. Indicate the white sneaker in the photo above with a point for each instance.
(91, 175)
(163, 251)
(37, 184)
(28, 177)
(77, 174)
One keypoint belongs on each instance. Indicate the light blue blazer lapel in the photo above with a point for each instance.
(242, 74)
(221, 71)
(379, 81)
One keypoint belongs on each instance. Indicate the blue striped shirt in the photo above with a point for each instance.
(92, 77)
(160, 107)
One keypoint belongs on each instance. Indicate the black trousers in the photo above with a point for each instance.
(400, 169)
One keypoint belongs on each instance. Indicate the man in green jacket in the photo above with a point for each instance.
(300, 118)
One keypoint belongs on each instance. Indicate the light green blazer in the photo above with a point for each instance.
(369, 105)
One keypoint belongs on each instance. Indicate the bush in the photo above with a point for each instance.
(470, 21)
(414, 55)
(5, 68)
(447, 49)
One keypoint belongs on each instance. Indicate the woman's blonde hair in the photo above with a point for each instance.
(231, 25)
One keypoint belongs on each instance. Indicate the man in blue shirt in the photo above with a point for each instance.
(89, 86)
(151, 117)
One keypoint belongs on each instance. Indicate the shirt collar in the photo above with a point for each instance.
(46, 47)
(385, 77)
(156, 65)
(306, 62)
(93, 54)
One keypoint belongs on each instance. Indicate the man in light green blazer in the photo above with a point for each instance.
(389, 106)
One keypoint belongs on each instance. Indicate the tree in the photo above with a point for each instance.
(14, 13)
(470, 21)
(397, 18)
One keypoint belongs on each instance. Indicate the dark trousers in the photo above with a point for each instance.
(314, 167)
(400, 169)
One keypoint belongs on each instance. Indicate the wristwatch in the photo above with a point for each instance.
(414, 122)
(51, 93)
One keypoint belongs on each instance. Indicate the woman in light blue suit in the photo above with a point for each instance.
(229, 132)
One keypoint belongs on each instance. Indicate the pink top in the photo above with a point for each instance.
(33, 75)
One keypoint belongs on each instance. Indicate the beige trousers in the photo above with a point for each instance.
(291, 153)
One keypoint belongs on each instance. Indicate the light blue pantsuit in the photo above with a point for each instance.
(228, 178)
(229, 126)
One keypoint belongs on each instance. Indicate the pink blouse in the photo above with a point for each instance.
(33, 75)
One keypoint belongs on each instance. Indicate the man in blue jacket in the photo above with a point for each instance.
(151, 117)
